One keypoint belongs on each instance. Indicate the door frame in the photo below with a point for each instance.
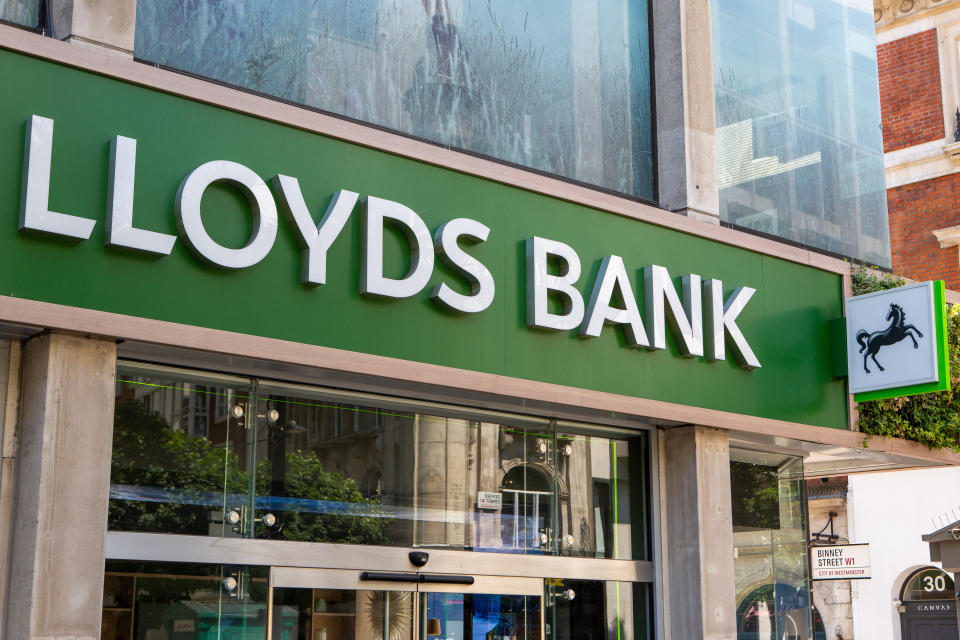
(413, 582)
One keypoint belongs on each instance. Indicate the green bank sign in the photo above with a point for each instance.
(128, 200)
(612, 300)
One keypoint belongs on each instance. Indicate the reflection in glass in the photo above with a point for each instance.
(595, 472)
(25, 13)
(438, 481)
(341, 614)
(799, 143)
(179, 454)
(203, 455)
(561, 88)
(460, 616)
(154, 600)
(596, 610)
(770, 546)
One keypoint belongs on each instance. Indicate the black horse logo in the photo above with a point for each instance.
(870, 343)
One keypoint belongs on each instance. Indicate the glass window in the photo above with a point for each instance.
(594, 610)
(770, 546)
(177, 465)
(799, 141)
(343, 614)
(163, 600)
(25, 13)
(205, 455)
(929, 584)
(560, 88)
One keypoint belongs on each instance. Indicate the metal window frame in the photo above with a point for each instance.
(287, 556)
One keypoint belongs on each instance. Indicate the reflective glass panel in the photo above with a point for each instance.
(200, 454)
(770, 546)
(22, 12)
(342, 614)
(595, 472)
(165, 600)
(799, 141)
(465, 616)
(336, 472)
(594, 609)
(562, 88)
(345, 614)
(180, 454)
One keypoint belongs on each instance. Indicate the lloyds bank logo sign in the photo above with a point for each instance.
(703, 322)
(896, 342)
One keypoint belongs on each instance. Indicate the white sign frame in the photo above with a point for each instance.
(840, 562)
(906, 366)
(489, 500)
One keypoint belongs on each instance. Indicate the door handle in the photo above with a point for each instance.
(387, 576)
(445, 578)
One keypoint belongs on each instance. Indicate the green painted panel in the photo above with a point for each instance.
(786, 322)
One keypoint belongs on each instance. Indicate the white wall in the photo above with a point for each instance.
(891, 511)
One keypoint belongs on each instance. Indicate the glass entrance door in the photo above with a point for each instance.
(321, 604)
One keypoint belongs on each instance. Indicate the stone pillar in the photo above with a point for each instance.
(686, 123)
(9, 395)
(697, 533)
(109, 24)
(61, 489)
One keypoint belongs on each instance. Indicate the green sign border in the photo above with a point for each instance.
(943, 357)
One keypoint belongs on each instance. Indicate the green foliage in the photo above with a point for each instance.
(148, 454)
(756, 496)
(307, 479)
(932, 419)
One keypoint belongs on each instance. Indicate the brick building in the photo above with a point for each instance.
(918, 60)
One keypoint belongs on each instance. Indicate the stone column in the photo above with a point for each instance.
(61, 489)
(9, 395)
(107, 24)
(697, 532)
(686, 123)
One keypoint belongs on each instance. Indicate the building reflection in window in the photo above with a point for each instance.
(25, 13)
(244, 458)
(770, 537)
(562, 88)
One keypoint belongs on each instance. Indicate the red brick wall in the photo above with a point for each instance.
(910, 102)
(915, 211)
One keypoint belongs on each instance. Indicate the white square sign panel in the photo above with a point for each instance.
(891, 338)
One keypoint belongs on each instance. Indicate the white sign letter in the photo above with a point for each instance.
(35, 187)
(686, 320)
(722, 318)
(372, 280)
(481, 282)
(539, 282)
(120, 229)
(262, 206)
(315, 239)
(613, 276)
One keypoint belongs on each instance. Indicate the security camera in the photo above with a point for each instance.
(955, 532)
(418, 558)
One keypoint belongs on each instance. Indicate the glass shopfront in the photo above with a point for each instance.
(197, 456)
(770, 546)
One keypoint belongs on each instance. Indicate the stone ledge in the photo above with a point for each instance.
(948, 237)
